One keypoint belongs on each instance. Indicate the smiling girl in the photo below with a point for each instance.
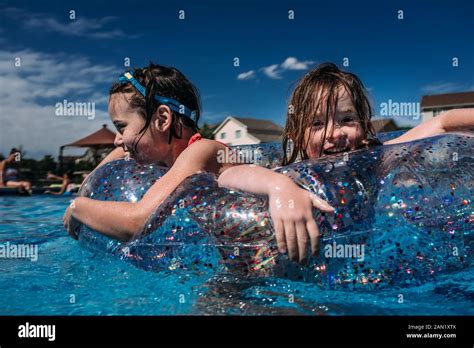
(330, 113)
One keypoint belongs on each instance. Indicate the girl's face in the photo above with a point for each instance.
(343, 133)
(129, 123)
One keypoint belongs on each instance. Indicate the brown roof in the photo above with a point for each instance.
(384, 125)
(102, 138)
(264, 130)
(448, 99)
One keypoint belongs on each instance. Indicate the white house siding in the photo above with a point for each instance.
(435, 111)
(230, 137)
(427, 115)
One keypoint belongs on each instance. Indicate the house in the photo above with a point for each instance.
(246, 131)
(433, 105)
(384, 125)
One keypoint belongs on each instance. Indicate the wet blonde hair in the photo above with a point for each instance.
(318, 91)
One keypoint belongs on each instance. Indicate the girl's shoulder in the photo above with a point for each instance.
(208, 154)
(207, 144)
(203, 151)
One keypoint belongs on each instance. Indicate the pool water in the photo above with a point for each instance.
(67, 279)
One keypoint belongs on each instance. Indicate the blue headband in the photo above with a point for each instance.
(173, 104)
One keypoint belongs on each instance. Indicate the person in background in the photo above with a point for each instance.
(67, 185)
(9, 174)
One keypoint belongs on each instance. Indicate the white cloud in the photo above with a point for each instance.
(275, 71)
(246, 75)
(212, 117)
(291, 63)
(272, 72)
(443, 87)
(30, 92)
(81, 26)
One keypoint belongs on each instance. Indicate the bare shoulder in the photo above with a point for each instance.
(205, 154)
(206, 147)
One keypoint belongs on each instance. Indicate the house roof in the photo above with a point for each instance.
(102, 138)
(384, 125)
(264, 130)
(448, 99)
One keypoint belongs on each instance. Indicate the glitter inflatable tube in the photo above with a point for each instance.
(404, 216)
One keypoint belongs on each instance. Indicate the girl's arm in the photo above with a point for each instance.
(452, 120)
(52, 176)
(61, 190)
(290, 206)
(122, 220)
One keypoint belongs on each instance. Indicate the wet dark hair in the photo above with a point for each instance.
(317, 91)
(13, 150)
(167, 82)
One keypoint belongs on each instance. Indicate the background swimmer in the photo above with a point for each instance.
(9, 173)
(67, 185)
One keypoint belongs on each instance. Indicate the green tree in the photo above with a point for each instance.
(47, 164)
(206, 131)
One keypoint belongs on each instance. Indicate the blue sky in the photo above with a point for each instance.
(78, 59)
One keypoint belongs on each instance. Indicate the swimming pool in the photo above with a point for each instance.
(67, 279)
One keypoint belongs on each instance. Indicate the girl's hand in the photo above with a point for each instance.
(70, 223)
(292, 216)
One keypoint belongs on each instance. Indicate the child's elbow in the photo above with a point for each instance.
(133, 228)
(227, 177)
(221, 180)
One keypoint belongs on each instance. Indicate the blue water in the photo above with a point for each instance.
(70, 280)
